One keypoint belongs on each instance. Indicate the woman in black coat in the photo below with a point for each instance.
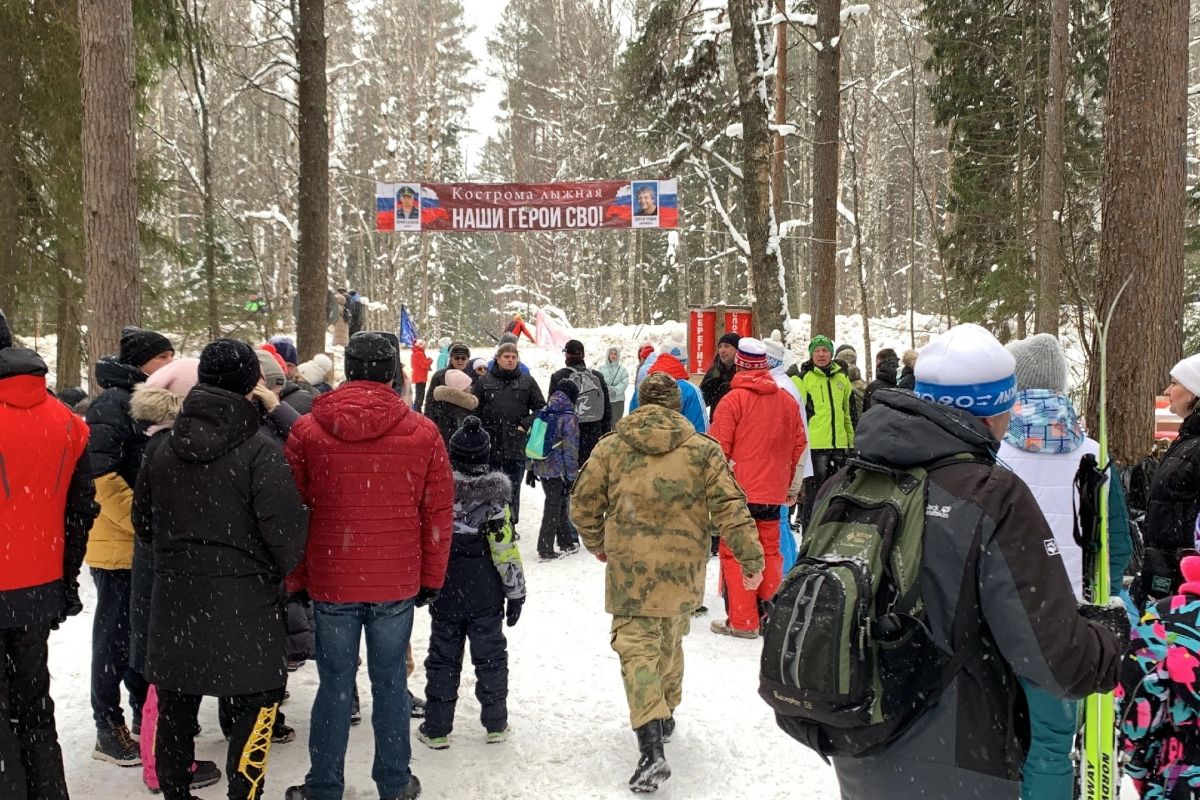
(227, 523)
(1174, 493)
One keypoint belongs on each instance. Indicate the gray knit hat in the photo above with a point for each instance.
(1040, 363)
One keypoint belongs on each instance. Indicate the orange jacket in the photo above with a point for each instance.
(758, 427)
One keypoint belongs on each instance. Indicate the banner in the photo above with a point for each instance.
(518, 207)
(702, 338)
(408, 331)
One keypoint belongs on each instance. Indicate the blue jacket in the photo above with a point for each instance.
(693, 405)
(563, 461)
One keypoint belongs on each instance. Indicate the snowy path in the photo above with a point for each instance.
(571, 736)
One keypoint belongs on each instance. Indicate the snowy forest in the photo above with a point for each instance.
(980, 161)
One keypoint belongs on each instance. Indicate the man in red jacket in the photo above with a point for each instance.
(421, 364)
(758, 427)
(377, 478)
(46, 508)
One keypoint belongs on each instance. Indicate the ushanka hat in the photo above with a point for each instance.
(967, 368)
(751, 354)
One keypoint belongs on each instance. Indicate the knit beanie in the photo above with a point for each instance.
(820, 341)
(270, 348)
(178, 377)
(444, 342)
(419, 343)
(644, 351)
(751, 354)
(139, 346)
(457, 379)
(730, 338)
(314, 371)
(574, 348)
(776, 353)
(272, 375)
(286, 348)
(1040, 363)
(6, 339)
(478, 364)
(675, 346)
(967, 368)
(569, 388)
(370, 356)
(470, 447)
(660, 389)
(508, 338)
(1187, 372)
(459, 349)
(230, 365)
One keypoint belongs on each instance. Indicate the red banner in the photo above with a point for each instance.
(702, 339)
(518, 207)
(739, 321)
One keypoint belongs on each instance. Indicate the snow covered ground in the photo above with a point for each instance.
(571, 736)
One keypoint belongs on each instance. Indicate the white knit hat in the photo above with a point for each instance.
(314, 371)
(967, 368)
(675, 345)
(1187, 372)
(776, 353)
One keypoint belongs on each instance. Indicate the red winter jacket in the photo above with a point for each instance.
(377, 480)
(40, 443)
(421, 364)
(758, 427)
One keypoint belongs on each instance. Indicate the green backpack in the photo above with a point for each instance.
(535, 443)
(848, 660)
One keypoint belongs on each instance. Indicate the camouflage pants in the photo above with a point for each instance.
(651, 652)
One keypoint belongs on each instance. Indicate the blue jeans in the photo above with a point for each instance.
(339, 626)
(1049, 773)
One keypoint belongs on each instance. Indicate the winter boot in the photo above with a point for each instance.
(725, 629)
(355, 710)
(411, 792)
(417, 706)
(116, 746)
(296, 793)
(204, 773)
(282, 734)
(432, 742)
(497, 737)
(652, 767)
(668, 728)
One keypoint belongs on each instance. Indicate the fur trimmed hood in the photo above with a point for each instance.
(154, 405)
(455, 397)
(492, 487)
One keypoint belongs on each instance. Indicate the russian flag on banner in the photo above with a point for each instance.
(433, 215)
(621, 209)
(385, 206)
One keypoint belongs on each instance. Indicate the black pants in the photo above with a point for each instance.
(443, 670)
(227, 715)
(515, 470)
(252, 715)
(110, 651)
(826, 464)
(31, 765)
(419, 396)
(554, 517)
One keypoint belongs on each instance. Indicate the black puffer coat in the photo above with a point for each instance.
(117, 441)
(508, 400)
(885, 378)
(1171, 514)
(227, 522)
(298, 397)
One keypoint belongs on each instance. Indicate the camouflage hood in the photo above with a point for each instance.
(655, 430)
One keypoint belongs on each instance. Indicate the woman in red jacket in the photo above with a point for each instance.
(758, 427)
(421, 365)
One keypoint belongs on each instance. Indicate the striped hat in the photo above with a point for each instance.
(751, 354)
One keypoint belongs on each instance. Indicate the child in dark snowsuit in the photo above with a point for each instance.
(558, 471)
(484, 572)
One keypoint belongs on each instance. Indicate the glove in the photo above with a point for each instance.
(1114, 618)
(530, 480)
(300, 597)
(72, 605)
(513, 612)
(426, 596)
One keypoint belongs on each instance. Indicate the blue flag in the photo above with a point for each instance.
(408, 331)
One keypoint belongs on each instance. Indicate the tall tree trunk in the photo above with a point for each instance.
(10, 188)
(768, 303)
(827, 105)
(312, 271)
(1050, 254)
(69, 354)
(1143, 213)
(779, 166)
(113, 294)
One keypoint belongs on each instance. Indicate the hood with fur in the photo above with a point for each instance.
(155, 406)
(455, 397)
(491, 487)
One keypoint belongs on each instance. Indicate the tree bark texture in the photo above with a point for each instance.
(827, 106)
(1142, 234)
(312, 271)
(768, 302)
(1050, 251)
(10, 190)
(113, 294)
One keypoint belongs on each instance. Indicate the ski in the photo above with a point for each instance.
(1099, 776)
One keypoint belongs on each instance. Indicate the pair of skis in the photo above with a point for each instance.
(1099, 773)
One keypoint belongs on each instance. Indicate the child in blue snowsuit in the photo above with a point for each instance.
(484, 588)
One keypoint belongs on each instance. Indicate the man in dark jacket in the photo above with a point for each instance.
(377, 478)
(593, 408)
(997, 596)
(115, 449)
(719, 378)
(508, 401)
(43, 533)
(219, 504)
(887, 365)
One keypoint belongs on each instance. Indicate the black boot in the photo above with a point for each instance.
(652, 768)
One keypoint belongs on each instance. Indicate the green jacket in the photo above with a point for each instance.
(648, 498)
(827, 397)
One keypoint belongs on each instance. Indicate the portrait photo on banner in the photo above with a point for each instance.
(408, 206)
(645, 204)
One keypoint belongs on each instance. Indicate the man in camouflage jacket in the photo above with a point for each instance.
(644, 504)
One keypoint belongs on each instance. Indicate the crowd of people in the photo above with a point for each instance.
(240, 516)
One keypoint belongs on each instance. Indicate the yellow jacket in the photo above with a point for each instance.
(110, 544)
